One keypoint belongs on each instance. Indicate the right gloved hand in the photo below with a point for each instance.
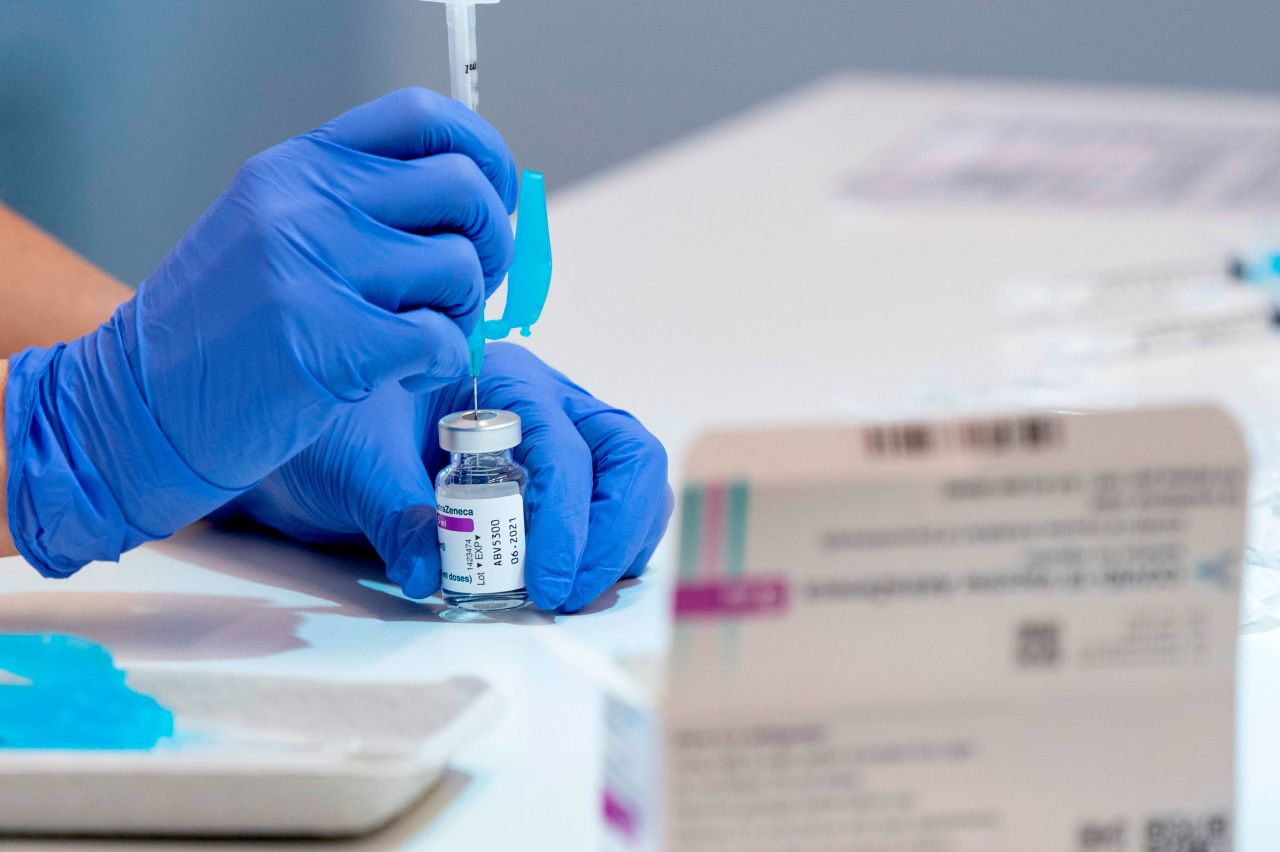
(597, 497)
(354, 255)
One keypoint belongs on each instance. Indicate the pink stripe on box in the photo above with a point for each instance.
(449, 522)
(749, 597)
(618, 816)
(713, 511)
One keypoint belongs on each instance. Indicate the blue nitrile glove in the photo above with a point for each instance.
(598, 497)
(342, 260)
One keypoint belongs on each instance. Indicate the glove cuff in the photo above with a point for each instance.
(91, 474)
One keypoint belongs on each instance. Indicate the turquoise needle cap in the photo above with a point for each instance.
(1260, 267)
(63, 692)
(529, 279)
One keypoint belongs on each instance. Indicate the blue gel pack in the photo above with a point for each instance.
(64, 692)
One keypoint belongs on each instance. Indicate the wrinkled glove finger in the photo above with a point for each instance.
(405, 272)
(558, 495)
(412, 123)
(390, 496)
(423, 350)
(628, 499)
(446, 193)
(641, 563)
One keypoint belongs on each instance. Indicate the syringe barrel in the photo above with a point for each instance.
(464, 87)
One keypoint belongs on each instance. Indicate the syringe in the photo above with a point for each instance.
(1133, 289)
(464, 86)
(460, 15)
(529, 277)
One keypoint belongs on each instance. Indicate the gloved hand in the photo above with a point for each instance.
(350, 257)
(598, 497)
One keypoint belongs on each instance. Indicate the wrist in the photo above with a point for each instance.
(91, 474)
(6, 540)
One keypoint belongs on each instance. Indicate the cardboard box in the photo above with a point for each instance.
(1007, 633)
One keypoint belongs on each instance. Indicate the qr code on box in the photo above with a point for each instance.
(1038, 644)
(1210, 833)
(1104, 836)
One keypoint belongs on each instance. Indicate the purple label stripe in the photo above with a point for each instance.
(618, 816)
(745, 597)
(449, 522)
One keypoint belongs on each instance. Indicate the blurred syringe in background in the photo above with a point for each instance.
(1146, 309)
(1141, 288)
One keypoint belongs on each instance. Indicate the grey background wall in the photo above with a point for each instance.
(120, 120)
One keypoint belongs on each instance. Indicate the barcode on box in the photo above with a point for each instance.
(1104, 836)
(1210, 833)
(984, 437)
(1038, 645)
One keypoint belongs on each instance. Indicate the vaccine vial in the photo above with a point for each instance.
(480, 512)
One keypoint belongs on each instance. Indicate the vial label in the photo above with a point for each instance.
(481, 544)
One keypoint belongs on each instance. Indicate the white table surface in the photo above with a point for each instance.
(720, 280)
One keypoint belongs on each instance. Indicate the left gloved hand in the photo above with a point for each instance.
(598, 498)
(350, 257)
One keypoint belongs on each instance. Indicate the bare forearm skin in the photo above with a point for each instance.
(48, 293)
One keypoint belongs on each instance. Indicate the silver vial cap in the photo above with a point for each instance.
(483, 431)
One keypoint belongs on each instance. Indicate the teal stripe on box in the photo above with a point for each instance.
(691, 506)
(736, 529)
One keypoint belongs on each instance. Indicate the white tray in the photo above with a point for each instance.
(252, 755)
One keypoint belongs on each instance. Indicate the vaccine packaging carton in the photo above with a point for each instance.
(995, 634)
